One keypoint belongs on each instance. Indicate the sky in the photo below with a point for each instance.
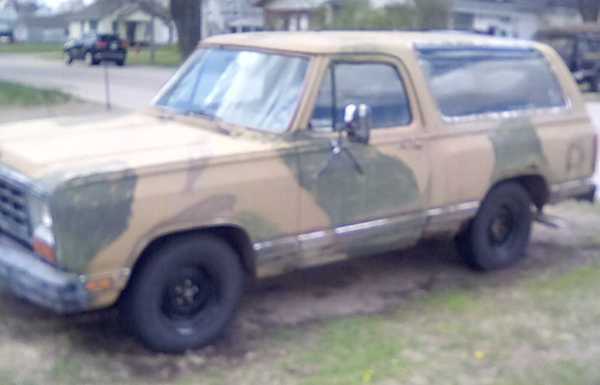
(55, 3)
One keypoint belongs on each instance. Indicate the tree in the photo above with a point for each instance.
(187, 15)
(359, 14)
(589, 9)
(434, 14)
(23, 7)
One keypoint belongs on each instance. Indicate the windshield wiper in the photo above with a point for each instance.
(199, 113)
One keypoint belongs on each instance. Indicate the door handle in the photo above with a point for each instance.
(411, 144)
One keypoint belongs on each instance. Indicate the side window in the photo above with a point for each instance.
(376, 84)
(474, 81)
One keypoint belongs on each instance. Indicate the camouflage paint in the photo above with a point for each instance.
(517, 149)
(387, 186)
(90, 216)
(258, 227)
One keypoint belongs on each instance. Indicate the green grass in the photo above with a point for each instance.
(30, 48)
(167, 56)
(13, 94)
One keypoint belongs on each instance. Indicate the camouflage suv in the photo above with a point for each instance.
(272, 152)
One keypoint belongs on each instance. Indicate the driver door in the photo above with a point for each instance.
(363, 198)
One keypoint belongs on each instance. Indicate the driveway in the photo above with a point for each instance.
(131, 87)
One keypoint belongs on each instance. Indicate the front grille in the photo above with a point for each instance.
(14, 214)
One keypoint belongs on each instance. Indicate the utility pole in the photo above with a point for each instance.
(238, 4)
(152, 41)
(106, 85)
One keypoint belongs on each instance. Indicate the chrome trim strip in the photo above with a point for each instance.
(430, 221)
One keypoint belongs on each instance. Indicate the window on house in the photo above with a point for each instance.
(93, 25)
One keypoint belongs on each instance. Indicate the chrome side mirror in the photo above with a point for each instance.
(358, 124)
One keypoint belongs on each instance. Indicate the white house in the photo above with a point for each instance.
(8, 18)
(140, 22)
(42, 29)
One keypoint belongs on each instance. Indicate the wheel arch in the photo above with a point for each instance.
(536, 186)
(233, 235)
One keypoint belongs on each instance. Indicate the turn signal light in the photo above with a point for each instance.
(44, 250)
(100, 284)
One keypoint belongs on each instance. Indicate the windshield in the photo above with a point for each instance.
(251, 89)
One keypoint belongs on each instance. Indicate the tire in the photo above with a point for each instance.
(89, 59)
(121, 62)
(595, 83)
(499, 234)
(184, 295)
(68, 58)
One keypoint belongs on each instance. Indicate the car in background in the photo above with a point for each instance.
(579, 46)
(95, 48)
(7, 36)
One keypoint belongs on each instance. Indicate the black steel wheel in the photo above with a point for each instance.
(184, 295)
(499, 234)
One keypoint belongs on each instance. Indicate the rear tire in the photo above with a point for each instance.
(89, 59)
(499, 234)
(595, 83)
(184, 295)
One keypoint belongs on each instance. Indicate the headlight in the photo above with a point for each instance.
(41, 224)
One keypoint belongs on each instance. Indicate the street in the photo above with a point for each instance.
(131, 87)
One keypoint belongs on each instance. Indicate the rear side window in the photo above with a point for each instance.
(475, 81)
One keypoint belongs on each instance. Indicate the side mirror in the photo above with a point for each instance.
(357, 120)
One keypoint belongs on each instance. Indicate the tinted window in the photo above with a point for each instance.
(478, 81)
(376, 84)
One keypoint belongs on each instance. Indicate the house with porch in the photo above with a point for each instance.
(140, 22)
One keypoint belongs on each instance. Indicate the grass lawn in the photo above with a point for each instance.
(29, 48)
(13, 94)
(165, 56)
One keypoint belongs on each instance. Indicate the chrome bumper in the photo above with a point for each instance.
(580, 190)
(30, 278)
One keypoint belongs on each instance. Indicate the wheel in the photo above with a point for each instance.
(184, 295)
(499, 234)
(89, 59)
(121, 62)
(595, 83)
(68, 58)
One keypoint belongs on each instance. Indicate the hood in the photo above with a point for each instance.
(41, 149)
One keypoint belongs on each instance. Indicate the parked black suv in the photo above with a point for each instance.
(579, 46)
(95, 48)
(7, 35)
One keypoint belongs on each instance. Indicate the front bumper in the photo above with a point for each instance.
(30, 278)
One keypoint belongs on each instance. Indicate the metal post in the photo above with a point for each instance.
(107, 85)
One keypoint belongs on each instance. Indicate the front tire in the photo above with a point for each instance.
(68, 58)
(184, 295)
(499, 234)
